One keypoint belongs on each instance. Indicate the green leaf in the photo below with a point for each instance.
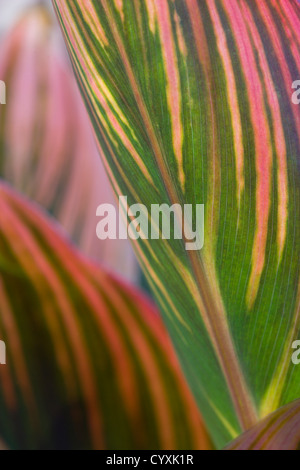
(88, 361)
(191, 102)
(279, 431)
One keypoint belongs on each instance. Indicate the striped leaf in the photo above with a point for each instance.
(191, 101)
(89, 363)
(279, 431)
(47, 150)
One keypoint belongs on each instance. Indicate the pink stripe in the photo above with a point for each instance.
(280, 145)
(232, 98)
(173, 80)
(92, 18)
(263, 148)
(278, 50)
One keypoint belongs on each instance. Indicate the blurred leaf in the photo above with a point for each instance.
(191, 103)
(2, 445)
(89, 364)
(47, 149)
(279, 431)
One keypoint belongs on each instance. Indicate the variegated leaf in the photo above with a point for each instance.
(279, 431)
(88, 361)
(191, 101)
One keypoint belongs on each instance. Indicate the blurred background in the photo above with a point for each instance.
(68, 181)
(11, 11)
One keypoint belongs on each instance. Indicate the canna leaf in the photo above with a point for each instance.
(47, 150)
(191, 101)
(89, 363)
(279, 431)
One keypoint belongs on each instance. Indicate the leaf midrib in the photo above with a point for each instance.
(214, 316)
